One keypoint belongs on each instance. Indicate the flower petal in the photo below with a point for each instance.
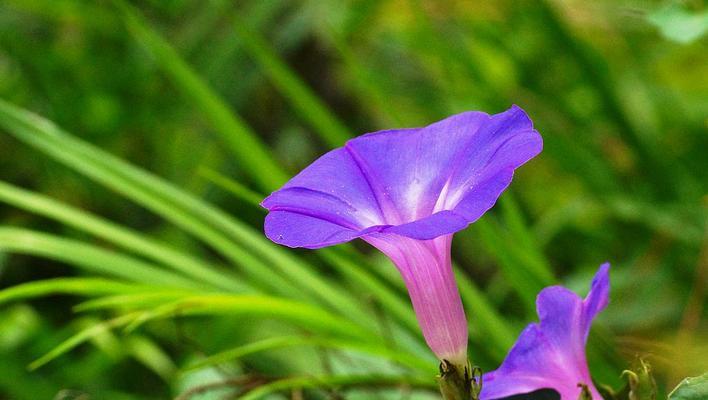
(410, 168)
(551, 354)
(298, 230)
(438, 224)
(419, 183)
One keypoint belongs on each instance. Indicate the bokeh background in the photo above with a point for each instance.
(224, 100)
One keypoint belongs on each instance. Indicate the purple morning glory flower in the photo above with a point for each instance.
(406, 191)
(551, 354)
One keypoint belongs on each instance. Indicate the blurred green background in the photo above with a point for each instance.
(117, 284)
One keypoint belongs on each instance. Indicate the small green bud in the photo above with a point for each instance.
(641, 382)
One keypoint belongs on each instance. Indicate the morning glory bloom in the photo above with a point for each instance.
(406, 191)
(551, 354)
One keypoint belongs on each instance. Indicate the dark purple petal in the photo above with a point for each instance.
(551, 354)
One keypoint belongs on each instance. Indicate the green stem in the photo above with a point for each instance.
(459, 382)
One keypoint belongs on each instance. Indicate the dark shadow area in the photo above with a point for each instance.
(543, 394)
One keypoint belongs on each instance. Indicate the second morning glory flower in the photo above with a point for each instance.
(551, 354)
(406, 191)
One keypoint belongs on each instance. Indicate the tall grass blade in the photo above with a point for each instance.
(88, 257)
(487, 327)
(305, 102)
(255, 160)
(143, 188)
(80, 338)
(291, 341)
(305, 316)
(369, 382)
(72, 286)
(122, 236)
(266, 263)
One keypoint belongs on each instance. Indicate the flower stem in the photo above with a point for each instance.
(459, 382)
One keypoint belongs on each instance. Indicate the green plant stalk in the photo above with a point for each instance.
(459, 382)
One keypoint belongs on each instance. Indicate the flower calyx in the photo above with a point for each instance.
(459, 382)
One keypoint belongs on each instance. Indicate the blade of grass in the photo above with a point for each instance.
(303, 315)
(368, 382)
(292, 341)
(72, 286)
(524, 283)
(132, 301)
(266, 262)
(487, 327)
(306, 316)
(537, 263)
(143, 188)
(235, 188)
(254, 158)
(393, 303)
(149, 353)
(124, 237)
(88, 257)
(80, 338)
(300, 96)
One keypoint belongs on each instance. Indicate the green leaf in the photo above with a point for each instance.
(695, 388)
(677, 23)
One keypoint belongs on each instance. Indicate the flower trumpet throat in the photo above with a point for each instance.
(459, 382)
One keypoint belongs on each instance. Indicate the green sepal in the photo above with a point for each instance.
(640, 384)
(459, 382)
(640, 380)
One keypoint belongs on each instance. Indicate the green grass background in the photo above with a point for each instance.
(136, 140)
